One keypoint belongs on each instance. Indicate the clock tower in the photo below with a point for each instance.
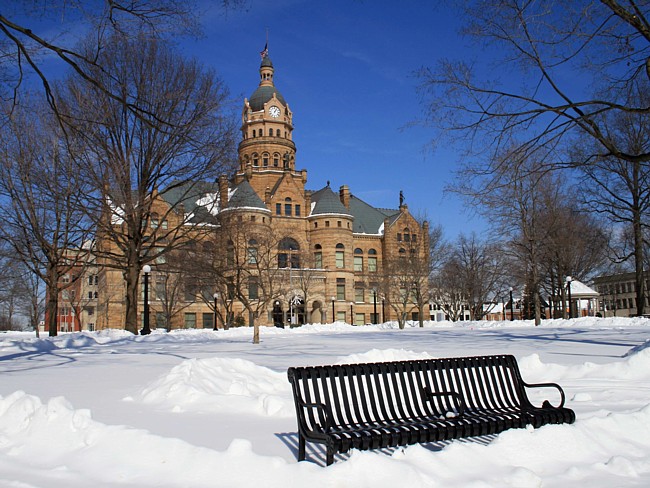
(267, 152)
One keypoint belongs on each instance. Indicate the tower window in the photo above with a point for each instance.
(278, 209)
(256, 159)
(265, 159)
(276, 160)
(254, 134)
(287, 207)
(297, 210)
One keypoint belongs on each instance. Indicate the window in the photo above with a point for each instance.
(90, 295)
(256, 158)
(65, 278)
(340, 256)
(90, 280)
(327, 223)
(278, 209)
(208, 320)
(297, 210)
(358, 295)
(277, 132)
(253, 289)
(154, 220)
(230, 253)
(276, 159)
(399, 237)
(372, 264)
(358, 260)
(318, 257)
(289, 253)
(265, 159)
(252, 251)
(190, 320)
(338, 223)
(254, 135)
(340, 288)
(340, 316)
(287, 207)
(359, 319)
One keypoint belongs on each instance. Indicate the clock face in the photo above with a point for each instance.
(274, 112)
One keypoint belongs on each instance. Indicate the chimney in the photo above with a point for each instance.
(344, 195)
(223, 191)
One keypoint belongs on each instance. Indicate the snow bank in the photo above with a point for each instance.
(234, 386)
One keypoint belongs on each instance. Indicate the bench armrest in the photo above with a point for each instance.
(546, 403)
(324, 415)
(458, 399)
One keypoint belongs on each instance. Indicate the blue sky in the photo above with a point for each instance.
(347, 70)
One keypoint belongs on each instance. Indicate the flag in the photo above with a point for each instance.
(264, 53)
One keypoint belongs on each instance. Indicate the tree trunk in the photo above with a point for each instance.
(256, 327)
(638, 263)
(52, 305)
(131, 275)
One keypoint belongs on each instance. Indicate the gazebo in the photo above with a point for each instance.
(583, 297)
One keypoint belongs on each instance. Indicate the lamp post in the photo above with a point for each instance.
(216, 297)
(351, 313)
(146, 269)
(568, 287)
(374, 305)
(383, 310)
(512, 306)
(333, 312)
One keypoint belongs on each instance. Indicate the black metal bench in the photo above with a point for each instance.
(378, 405)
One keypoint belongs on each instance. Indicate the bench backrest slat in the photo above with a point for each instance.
(367, 392)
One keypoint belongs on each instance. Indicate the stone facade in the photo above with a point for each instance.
(331, 238)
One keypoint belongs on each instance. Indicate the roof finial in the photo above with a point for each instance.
(401, 198)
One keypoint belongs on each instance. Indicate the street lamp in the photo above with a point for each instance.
(351, 313)
(216, 297)
(374, 305)
(333, 313)
(568, 287)
(512, 306)
(146, 269)
(383, 310)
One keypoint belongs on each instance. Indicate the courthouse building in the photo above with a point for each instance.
(344, 242)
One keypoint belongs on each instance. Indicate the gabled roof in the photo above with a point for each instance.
(243, 196)
(325, 201)
(368, 219)
(189, 194)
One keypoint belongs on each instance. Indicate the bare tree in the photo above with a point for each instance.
(252, 269)
(622, 188)
(34, 33)
(605, 45)
(143, 168)
(41, 209)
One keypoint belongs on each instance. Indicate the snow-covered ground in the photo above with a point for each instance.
(210, 409)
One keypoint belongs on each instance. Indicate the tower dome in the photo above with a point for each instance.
(266, 89)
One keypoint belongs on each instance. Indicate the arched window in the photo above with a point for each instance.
(340, 256)
(372, 261)
(407, 235)
(277, 132)
(289, 253)
(402, 252)
(358, 260)
(318, 256)
(254, 133)
(276, 159)
(256, 159)
(265, 159)
(287, 207)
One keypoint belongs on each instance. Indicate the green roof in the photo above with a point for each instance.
(243, 196)
(368, 219)
(325, 201)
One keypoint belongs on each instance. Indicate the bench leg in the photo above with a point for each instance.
(330, 457)
(301, 448)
